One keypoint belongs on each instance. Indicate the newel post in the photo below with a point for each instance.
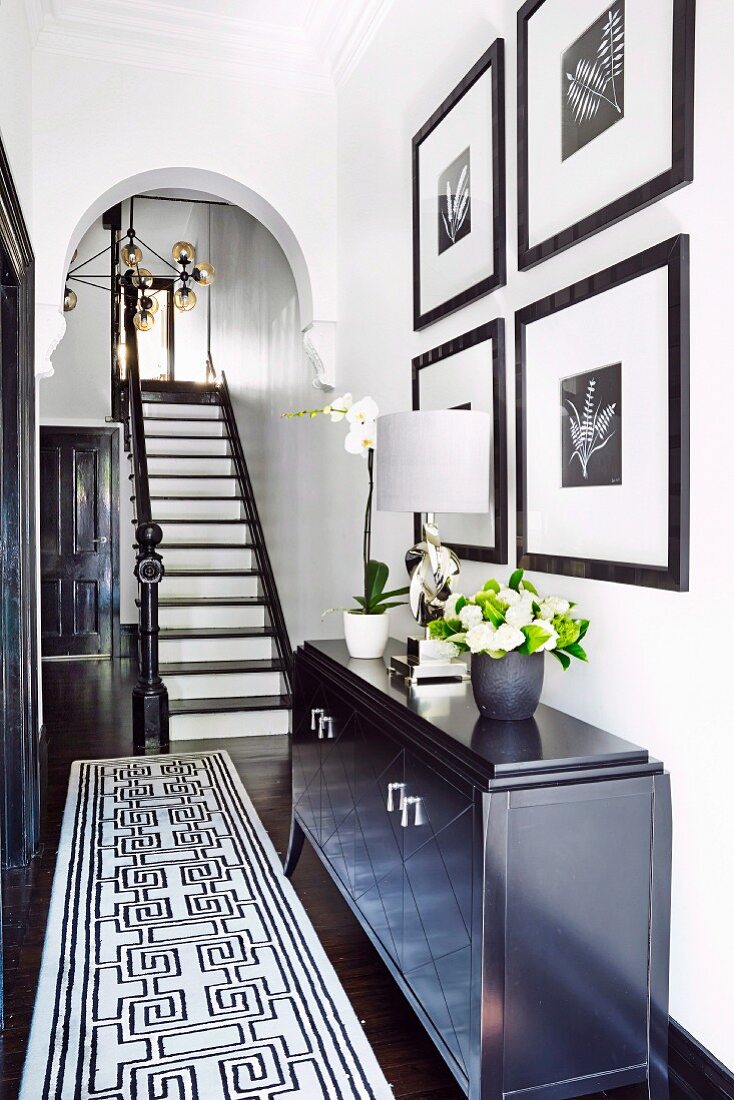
(150, 697)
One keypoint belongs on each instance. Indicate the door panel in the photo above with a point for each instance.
(79, 521)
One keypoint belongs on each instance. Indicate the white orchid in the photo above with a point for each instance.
(361, 438)
(339, 408)
(362, 412)
(470, 615)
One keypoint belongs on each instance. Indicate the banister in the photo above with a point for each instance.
(262, 557)
(150, 696)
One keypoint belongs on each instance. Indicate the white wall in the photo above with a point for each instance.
(15, 96)
(660, 665)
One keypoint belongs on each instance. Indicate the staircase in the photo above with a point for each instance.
(223, 651)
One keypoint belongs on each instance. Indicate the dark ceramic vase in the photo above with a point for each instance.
(507, 688)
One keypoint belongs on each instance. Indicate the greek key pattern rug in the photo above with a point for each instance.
(179, 963)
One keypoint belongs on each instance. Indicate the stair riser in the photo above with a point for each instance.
(206, 615)
(206, 558)
(187, 465)
(183, 446)
(176, 409)
(216, 649)
(224, 686)
(256, 723)
(193, 487)
(201, 587)
(213, 428)
(198, 509)
(236, 533)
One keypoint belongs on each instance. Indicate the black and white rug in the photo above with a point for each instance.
(179, 963)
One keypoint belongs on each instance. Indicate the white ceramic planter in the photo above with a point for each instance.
(366, 635)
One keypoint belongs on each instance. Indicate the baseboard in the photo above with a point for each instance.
(129, 640)
(694, 1071)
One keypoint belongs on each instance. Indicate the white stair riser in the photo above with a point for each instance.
(155, 445)
(213, 428)
(205, 558)
(198, 509)
(206, 615)
(223, 686)
(216, 649)
(201, 587)
(182, 408)
(193, 486)
(236, 533)
(187, 465)
(248, 723)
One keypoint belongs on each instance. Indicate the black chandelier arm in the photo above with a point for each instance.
(95, 257)
(77, 279)
(156, 254)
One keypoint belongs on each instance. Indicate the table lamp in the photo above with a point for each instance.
(430, 462)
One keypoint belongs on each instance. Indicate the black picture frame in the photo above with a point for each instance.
(672, 254)
(679, 174)
(494, 60)
(493, 331)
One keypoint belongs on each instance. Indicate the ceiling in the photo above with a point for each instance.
(305, 44)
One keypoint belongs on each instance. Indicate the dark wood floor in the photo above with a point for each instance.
(87, 715)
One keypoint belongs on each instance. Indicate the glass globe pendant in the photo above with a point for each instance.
(183, 252)
(144, 321)
(70, 300)
(184, 299)
(151, 304)
(204, 274)
(130, 254)
(143, 278)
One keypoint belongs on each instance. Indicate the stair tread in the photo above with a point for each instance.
(177, 435)
(173, 572)
(185, 633)
(181, 497)
(203, 668)
(186, 419)
(206, 520)
(211, 601)
(204, 477)
(206, 545)
(244, 702)
(190, 457)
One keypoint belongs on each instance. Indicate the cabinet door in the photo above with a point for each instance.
(308, 696)
(337, 763)
(437, 903)
(376, 835)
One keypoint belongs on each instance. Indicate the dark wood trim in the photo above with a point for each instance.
(493, 59)
(694, 1070)
(494, 331)
(129, 641)
(672, 254)
(678, 175)
(19, 729)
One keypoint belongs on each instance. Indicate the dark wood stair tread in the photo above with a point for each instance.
(188, 456)
(189, 633)
(172, 572)
(203, 519)
(211, 601)
(204, 477)
(204, 668)
(177, 435)
(204, 496)
(222, 706)
(206, 545)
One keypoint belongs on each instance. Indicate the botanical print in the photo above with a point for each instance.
(454, 202)
(591, 427)
(592, 80)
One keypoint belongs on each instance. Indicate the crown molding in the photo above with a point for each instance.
(316, 55)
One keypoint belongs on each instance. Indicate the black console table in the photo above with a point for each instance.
(514, 877)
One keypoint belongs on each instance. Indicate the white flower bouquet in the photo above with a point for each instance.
(509, 619)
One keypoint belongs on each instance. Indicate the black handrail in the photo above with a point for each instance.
(262, 557)
(150, 696)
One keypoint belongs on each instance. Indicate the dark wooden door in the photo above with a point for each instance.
(79, 521)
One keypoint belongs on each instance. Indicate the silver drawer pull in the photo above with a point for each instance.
(326, 727)
(317, 714)
(392, 790)
(419, 818)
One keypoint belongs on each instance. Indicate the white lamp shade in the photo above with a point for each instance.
(433, 461)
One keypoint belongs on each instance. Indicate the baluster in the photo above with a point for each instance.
(150, 697)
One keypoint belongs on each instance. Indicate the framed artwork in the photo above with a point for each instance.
(469, 373)
(459, 226)
(603, 424)
(604, 113)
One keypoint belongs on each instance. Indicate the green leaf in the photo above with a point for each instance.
(359, 600)
(584, 624)
(461, 602)
(376, 574)
(529, 587)
(378, 608)
(496, 654)
(492, 586)
(564, 659)
(535, 637)
(515, 579)
(577, 651)
(395, 592)
(444, 628)
(492, 614)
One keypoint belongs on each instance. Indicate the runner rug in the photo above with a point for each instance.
(179, 963)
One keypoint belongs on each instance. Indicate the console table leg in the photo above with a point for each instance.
(295, 847)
